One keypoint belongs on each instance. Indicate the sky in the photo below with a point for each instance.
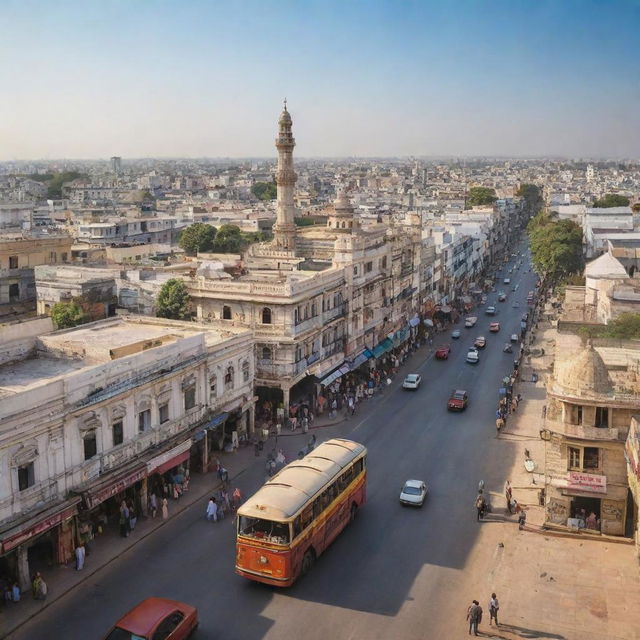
(196, 78)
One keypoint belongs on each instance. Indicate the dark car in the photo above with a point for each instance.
(480, 342)
(442, 352)
(458, 400)
(156, 618)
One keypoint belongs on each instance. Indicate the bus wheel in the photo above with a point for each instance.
(354, 512)
(307, 562)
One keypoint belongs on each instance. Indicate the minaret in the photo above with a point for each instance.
(284, 230)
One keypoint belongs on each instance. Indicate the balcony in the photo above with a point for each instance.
(273, 370)
(583, 432)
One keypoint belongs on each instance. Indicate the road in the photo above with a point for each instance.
(388, 574)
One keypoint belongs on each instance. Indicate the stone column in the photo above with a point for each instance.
(22, 557)
(285, 401)
(144, 503)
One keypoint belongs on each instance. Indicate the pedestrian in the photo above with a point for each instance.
(224, 499)
(212, 509)
(220, 505)
(39, 587)
(508, 495)
(522, 517)
(480, 506)
(499, 425)
(165, 509)
(334, 408)
(494, 605)
(15, 593)
(224, 477)
(153, 504)
(80, 555)
(133, 518)
(514, 405)
(237, 498)
(35, 585)
(352, 406)
(474, 616)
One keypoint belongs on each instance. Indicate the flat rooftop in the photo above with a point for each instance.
(16, 377)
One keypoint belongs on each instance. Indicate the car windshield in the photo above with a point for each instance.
(412, 377)
(275, 532)
(122, 634)
(412, 491)
(458, 396)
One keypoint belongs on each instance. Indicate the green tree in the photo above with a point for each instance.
(54, 187)
(479, 196)
(229, 239)
(198, 237)
(626, 326)
(556, 246)
(636, 207)
(265, 190)
(611, 200)
(67, 314)
(173, 300)
(532, 195)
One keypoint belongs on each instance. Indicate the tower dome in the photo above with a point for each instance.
(342, 204)
(586, 374)
(342, 217)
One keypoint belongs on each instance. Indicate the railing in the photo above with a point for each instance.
(270, 369)
(585, 432)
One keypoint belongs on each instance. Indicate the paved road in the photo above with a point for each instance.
(385, 575)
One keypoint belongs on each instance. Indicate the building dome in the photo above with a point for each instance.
(285, 117)
(586, 374)
(342, 205)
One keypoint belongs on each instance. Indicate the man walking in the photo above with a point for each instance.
(474, 616)
(480, 506)
(494, 605)
(212, 509)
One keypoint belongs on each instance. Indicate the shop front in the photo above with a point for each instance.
(167, 473)
(38, 542)
(101, 500)
(207, 441)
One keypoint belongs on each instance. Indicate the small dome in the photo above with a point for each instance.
(285, 117)
(586, 374)
(342, 205)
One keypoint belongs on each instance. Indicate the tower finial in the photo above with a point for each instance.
(285, 103)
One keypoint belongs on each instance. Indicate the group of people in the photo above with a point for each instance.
(223, 502)
(474, 613)
(12, 593)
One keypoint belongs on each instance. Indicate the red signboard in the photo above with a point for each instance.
(94, 497)
(40, 527)
(586, 482)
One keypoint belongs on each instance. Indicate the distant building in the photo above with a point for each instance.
(116, 164)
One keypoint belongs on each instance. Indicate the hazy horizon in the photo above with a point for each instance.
(364, 80)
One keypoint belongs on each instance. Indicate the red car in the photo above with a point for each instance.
(155, 619)
(442, 353)
(494, 327)
(458, 400)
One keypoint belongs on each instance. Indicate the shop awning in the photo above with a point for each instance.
(217, 421)
(111, 484)
(334, 375)
(33, 526)
(360, 359)
(401, 336)
(170, 459)
(382, 347)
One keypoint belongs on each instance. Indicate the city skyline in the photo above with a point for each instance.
(425, 79)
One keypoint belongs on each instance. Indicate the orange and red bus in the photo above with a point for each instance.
(295, 515)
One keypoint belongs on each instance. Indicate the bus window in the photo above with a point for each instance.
(333, 491)
(358, 466)
(306, 517)
(297, 526)
(317, 506)
(276, 532)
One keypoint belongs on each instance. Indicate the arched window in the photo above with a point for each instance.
(228, 378)
(266, 353)
(226, 312)
(245, 371)
(266, 315)
(314, 310)
(90, 444)
(296, 316)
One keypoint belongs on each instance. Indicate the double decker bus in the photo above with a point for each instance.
(295, 516)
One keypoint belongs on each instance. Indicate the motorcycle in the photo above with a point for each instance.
(508, 348)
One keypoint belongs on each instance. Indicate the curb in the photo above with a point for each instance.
(51, 600)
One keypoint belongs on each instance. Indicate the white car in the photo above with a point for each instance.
(470, 322)
(412, 381)
(490, 311)
(455, 333)
(413, 493)
(473, 357)
(507, 281)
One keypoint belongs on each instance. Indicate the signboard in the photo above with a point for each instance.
(168, 456)
(586, 482)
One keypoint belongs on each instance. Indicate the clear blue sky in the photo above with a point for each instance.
(94, 78)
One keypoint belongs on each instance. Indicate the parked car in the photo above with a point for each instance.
(502, 296)
(473, 357)
(413, 493)
(455, 333)
(514, 337)
(412, 381)
(490, 311)
(458, 400)
(470, 322)
(480, 342)
(442, 352)
(507, 280)
(156, 618)
(494, 327)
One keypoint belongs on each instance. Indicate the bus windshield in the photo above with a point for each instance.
(268, 530)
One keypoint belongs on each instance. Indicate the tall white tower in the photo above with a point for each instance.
(284, 230)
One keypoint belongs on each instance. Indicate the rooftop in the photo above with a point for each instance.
(605, 266)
